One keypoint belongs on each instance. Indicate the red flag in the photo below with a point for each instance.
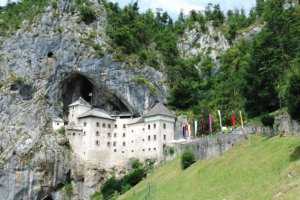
(211, 122)
(187, 130)
(233, 120)
(202, 125)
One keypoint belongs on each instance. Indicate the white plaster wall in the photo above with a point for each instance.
(75, 111)
(57, 125)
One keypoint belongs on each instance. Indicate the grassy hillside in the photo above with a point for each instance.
(264, 169)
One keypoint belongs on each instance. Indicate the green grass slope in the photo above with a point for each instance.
(264, 169)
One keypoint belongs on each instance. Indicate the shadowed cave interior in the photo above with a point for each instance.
(78, 85)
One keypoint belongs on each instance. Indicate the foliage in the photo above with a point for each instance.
(97, 196)
(1, 148)
(293, 95)
(62, 130)
(135, 164)
(1, 84)
(172, 151)
(267, 120)
(187, 159)
(13, 14)
(296, 154)
(69, 189)
(87, 14)
(114, 185)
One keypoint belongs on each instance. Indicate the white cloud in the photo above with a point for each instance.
(172, 6)
(3, 2)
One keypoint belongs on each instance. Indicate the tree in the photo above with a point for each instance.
(293, 96)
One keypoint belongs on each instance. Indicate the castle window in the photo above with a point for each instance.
(148, 137)
(124, 125)
(97, 142)
(124, 144)
(131, 150)
(108, 144)
(98, 124)
(154, 137)
(154, 125)
(115, 134)
(84, 124)
(131, 141)
(116, 126)
(108, 125)
(84, 133)
(114, 144)
(149, 149)
(143, 129)
(165, 126)
(103, 125)
(143, 140)
(165, 137)
(108, 135)
(124, 134)
(115, 150)
(154, 149)
(97, 133)
(57, 123)
(73, 134)
(131, 131)
(143, 149)
(122, 151)
(149, 127)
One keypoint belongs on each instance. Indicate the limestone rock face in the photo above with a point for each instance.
(44, 66)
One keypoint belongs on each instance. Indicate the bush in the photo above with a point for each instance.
(110, 186)
(133, 177)
(172, 151)
(296, 154)
(69, 189)
(293, 96)
(87, 14)
(135, 164)
(62, 130)
(187, 159)
(1, 84)
(267, 120)
(125, 188)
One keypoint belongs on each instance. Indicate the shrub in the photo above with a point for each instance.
(87, 14)
(54, 5)
(135, 164)
(293, 96)
(1, 149)
(166, 152)
(69, 189)
(187, 159)
(296, 154)
(1, 84)
(62, 130)
(110, 186)
(125, 188)
(267, 119)
(171, 150)
(133, 177)
(14, 152)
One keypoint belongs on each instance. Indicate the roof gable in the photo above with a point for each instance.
(95, 112)
(159, 109)
(80, 101)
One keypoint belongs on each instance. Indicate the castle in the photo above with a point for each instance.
(113, 139)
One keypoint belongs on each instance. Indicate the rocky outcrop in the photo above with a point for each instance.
(44, 66)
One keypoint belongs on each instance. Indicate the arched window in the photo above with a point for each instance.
(97, 142)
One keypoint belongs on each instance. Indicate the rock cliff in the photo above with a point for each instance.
(48, 63)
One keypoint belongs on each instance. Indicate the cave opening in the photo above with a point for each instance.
(78, 85)
(74, 87)
(50, 54)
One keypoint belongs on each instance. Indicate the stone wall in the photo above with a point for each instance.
(205, 148)
(283, 124)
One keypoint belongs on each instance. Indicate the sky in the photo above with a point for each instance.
(173, 7)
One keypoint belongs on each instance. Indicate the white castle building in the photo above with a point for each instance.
(113, 139)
